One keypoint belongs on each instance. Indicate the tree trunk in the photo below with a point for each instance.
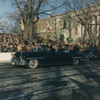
(99, 39)
(85, 33)
(26, 32)
(31, 33)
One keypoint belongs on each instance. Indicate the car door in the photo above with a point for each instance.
(63, 57)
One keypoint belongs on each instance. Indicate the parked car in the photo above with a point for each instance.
(34, 59)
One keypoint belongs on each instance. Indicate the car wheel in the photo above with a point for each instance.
(75, 61)
(33, 64)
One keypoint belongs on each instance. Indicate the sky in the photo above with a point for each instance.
(5, 7)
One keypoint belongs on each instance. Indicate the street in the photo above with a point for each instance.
(67, 82)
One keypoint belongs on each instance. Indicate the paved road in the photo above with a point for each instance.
(67, 82)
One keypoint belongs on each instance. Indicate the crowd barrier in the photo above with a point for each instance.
(5, 57)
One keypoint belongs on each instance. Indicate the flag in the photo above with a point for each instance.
(76, 31)
(48, 27)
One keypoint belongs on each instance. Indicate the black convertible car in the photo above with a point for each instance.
(34, 59)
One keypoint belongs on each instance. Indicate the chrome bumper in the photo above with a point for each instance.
(17, 62)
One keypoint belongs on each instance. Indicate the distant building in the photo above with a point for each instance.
(63, 25)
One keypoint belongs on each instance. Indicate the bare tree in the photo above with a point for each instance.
(30, 11)
(14, 20)
(2, 26)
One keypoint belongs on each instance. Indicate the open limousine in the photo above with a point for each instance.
(34, 59)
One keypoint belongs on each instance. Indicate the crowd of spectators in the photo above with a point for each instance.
(12, 43)
(9, 42)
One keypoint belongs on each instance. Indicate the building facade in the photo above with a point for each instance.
(56, 26)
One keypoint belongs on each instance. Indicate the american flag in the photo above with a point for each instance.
(48, 27)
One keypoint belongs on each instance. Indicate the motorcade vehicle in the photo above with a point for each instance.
(34, 59)
(94, 54)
